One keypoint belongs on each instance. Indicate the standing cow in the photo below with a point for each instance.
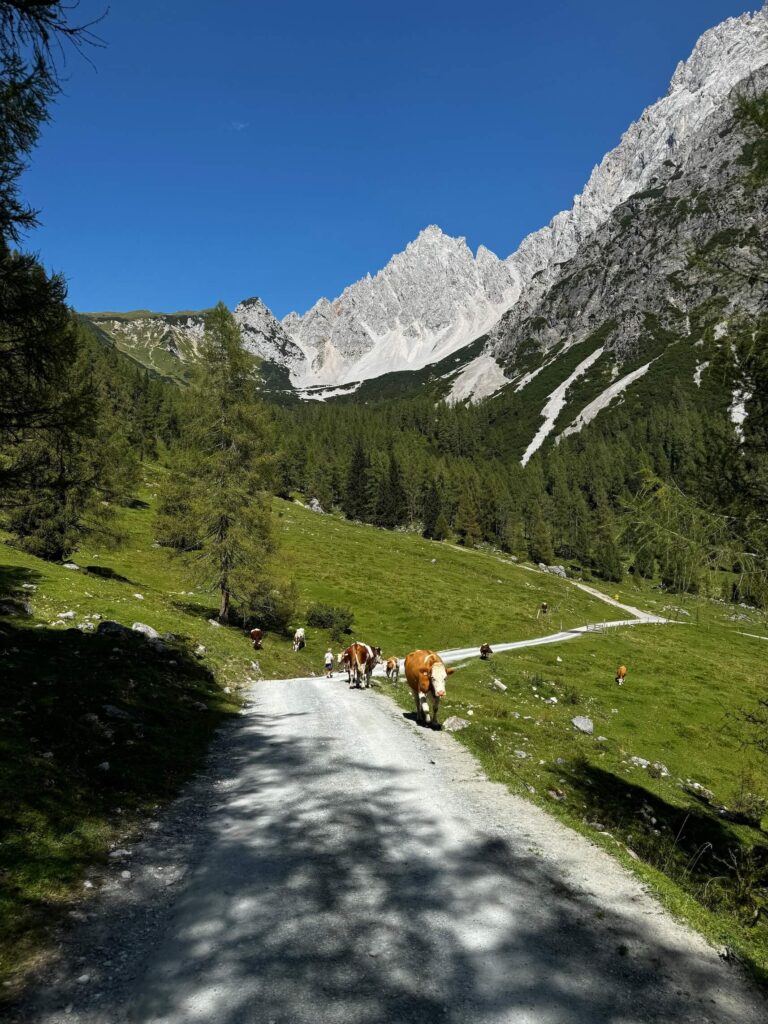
(361, 660)
(393, 669)
(257, 636)
(425, 673)
(344, 660)
(299, 640)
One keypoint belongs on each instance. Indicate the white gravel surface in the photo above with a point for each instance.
(337, 864)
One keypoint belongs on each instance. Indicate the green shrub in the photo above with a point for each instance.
(325, 616)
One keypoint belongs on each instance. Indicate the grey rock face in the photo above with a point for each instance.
(632, 287)
(264, 336)
(724, 56)
(430, 300)
(583, 724)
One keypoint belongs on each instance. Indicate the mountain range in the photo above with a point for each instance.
(606, 293)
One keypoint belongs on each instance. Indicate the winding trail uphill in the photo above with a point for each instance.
(336, 865)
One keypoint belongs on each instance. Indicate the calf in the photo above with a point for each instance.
(425, 673)
(299, 639)
(393, 670)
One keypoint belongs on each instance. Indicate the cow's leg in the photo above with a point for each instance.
(435, 706)
(426, 717)
(419, 709)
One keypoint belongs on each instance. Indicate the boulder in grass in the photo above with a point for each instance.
(639, 762)
(315, 505)
(71, 565)
(110, 628)
(455, 724)
(583, 724)
(145, 630)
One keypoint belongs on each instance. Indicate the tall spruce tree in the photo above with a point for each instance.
(224, 468)
(356, 490)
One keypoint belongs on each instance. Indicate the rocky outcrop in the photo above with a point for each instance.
(666, 132)
(264, 335)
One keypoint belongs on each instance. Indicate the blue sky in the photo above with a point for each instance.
(227, 148)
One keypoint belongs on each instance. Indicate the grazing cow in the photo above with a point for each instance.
(393, 670)
(485, 651)
(621, 674)
(426, 673)
(362, 660)
(299, 639)
(257, 636)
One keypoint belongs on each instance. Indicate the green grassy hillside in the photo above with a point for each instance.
(679, 708)
(73, 700)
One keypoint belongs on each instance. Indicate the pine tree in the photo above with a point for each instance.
(467, 522)
(540, 539)
(224, 467)
(355, 492)
(433, 508)
(391, 504)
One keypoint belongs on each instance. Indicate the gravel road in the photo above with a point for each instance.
(337, 865)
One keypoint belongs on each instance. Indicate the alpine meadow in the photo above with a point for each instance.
(403, 659)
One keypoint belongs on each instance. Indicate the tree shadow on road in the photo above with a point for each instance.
(321, 890)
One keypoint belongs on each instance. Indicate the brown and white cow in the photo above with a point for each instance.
(393, 669)
(362, 661)
(257, 636)
(299, 639)
(344, 660)
(425, 673)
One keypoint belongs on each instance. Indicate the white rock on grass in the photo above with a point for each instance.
(70, 565)
(145, 630)
(66, 615)
(455, 724)
(583, 724)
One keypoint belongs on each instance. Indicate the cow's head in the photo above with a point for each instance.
(436, 674)
(376, 655)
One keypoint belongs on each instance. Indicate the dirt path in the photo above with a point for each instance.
(336, 864)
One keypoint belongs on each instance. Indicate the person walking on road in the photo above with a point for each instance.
(329, 663)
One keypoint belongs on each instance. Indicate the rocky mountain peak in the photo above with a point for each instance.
(429, 300)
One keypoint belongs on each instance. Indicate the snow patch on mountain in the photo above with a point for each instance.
(555, 404)
(738, 410)
(602, 401)
(480, 378)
